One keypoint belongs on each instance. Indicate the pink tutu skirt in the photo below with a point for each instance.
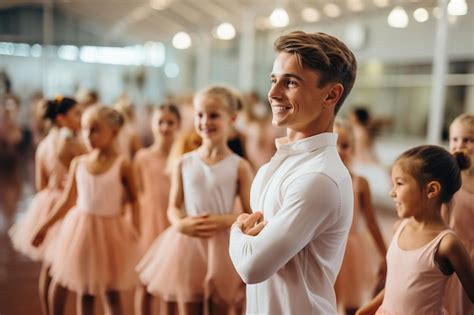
(94, 254)
(22, 232)
(357, 277)
(174, 268)
(223, 284)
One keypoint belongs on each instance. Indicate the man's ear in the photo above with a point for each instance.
(334, 95)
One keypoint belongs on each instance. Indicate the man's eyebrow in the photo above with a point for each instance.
(288, 75)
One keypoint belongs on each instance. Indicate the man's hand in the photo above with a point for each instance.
(251, 224)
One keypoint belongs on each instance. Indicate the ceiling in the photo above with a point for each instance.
(136, 20)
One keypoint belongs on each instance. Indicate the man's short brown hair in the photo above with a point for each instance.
(324, 53)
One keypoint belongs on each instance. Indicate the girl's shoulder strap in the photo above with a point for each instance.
(437, 240)
(400, 225)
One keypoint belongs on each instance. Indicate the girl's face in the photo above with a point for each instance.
(344, 145)
(97, 134)
(406, 192)
(71, 119)
(164, 124)
(211, 119)
(461, 137)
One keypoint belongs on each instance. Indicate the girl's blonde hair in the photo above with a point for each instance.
(230, 98)
(109, 115)
(465, 119)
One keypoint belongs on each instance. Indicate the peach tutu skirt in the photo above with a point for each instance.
(357, 277)
(95, 254)
(22, 232)
(174, 268)
(223, 284)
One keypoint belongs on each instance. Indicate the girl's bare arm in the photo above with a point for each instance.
(41, 178)
(128, 178)
(67, 201)
(137, 173)
(372, 307)
(176, 197)
(452, 249)
(369, 215)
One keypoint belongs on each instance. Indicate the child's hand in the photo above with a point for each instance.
(364, 311)
(39, 237)
(251, 224)
(198, 226)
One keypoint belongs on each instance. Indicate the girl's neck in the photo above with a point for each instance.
(162, 146)
(429, 217)
(212, 151)
(104, 153)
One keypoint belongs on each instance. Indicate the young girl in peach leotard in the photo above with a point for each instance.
(96, 248)
(151, 170)
(424, 252)
(53, 156)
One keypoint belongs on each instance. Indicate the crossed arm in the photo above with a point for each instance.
(258, 249)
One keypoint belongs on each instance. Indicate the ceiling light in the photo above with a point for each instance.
(310, 15)
(421, 15)
(181, 40)
(279, 18)
(332, 10)
(381, 3)
(225, 31)
(355, 5)
(398, 18)
(457, 7)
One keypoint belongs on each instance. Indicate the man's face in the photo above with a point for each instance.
(296, 100)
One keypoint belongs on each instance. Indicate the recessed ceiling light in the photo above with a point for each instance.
(332, 10)
(310, 15)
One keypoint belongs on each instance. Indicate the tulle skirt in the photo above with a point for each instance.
(183, 269)
(94, 254)
(174, 267)
(22, 232)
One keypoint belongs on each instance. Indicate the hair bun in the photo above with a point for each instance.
(49, 110)
(464, 162)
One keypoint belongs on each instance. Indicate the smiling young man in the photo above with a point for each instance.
(290, 249)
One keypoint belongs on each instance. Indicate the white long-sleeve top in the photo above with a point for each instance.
(305, 194)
